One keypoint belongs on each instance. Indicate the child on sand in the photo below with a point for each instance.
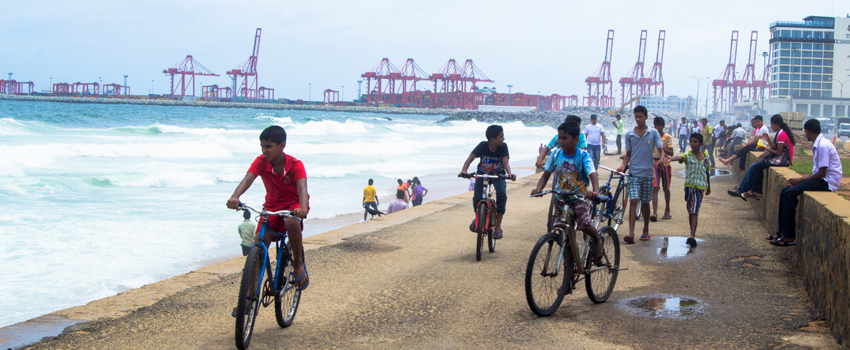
(697, 181)
(641, 142)
(574, 170)
(663, 173)
(494, 156)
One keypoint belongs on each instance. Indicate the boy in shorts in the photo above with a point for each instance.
(286, 189)
(697, 181)
(574, 170)
(663, 173)
(641, 143)
(494, 161)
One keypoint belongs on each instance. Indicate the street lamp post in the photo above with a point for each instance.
(51, 84)
(706, 94)
(706, 99)
(510, 96)
(125, 85)
(763, 83)
(794, 50)
(841, 92)
(343, 93)
(358, 89)
(309, 90)
(151, 87)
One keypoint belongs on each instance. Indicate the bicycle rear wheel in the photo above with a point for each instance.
(482, 227)
(621, 201)
(286, 303)
(599, 284)
(546, 281)
(248, 304)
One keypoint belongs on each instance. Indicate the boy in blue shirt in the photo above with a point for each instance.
(574, 170)
(494, 161)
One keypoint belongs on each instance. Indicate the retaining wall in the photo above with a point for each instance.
(822, 253)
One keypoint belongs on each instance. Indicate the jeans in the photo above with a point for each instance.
(788, 205)
(742, 155)
(730, 149)
(683, 141)
(594, 151)
(501, 194)
(710, 149)
(619, 144)
(754, 179)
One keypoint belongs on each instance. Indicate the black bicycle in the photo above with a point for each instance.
(485, 213)
(611, 212)
(279, 285)
(559, 261)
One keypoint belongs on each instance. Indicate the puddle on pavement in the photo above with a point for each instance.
(711, 173)
(676, 247)
(667, 306)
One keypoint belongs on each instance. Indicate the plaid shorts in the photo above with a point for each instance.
(662, 176)
(694, 198)
(641, 188)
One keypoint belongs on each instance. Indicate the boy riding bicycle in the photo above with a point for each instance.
(494, 161)
(286, 189)
(574, 170)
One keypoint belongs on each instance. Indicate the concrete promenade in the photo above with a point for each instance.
(410, 280)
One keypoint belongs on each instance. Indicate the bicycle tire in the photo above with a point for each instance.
(290, 297)
(600, 284)
(546, 299)
(482, 227)
(550, 220)
(251, 282)
(619, 207)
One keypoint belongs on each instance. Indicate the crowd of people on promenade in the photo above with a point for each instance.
(408, 194)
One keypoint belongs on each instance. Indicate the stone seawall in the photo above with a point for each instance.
(822, 253)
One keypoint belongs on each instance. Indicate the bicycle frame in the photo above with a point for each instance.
(487, 201)
(622, 182)
(282, 243)
(565, 225)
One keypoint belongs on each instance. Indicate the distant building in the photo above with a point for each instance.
(669, 104)
(810, 66)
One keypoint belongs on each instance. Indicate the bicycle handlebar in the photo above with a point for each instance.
(483, 176)
(283, 213)
(614, 171)
(578, 195)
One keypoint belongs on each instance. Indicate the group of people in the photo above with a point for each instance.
(408, 193)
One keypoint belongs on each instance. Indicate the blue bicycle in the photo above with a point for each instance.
(279, 285)
(611, 212)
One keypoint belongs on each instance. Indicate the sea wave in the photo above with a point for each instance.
(12, 127)
(179, 179)
(173, 129)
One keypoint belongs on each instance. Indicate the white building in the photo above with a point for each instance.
(810, 66)
(669, 104)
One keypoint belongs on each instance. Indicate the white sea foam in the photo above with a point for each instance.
(12, 127)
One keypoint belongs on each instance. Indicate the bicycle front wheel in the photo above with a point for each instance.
(248, 304)
(482, 227)
(600, 283)
(289, 297)
(546, 281)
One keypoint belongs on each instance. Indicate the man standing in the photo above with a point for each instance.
(720, 135)
(708, 139)
(370, 199)
(595, 139)
(619, 125)
(826, 176)
(684, 135)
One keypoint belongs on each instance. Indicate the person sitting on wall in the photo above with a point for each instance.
(826, 176)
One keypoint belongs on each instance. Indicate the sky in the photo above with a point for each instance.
(310, 46)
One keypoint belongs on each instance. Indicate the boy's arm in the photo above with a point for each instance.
(541, 183)
(303, 199)
(539, 162)
(594, 182)
(626, 159)
(604, 144)
(677, 159)
(708, 180)
(243, 186)
(467, 163)
(508, 168)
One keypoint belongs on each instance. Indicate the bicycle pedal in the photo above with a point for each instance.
(619, 269)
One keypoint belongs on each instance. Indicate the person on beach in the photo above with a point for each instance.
(493, 160)
(780, 153)
(737, 137)
(663, 172)
(759, 129)
(419, 192)
(285, 181)
(574, 171)
(708, 136)
(619, 125)
(826, 176)
(403, 186)
(684, 131)
(554, 142)
(399, 203)
(719, 136)
(595, 140)
(370, 200)
(697, 181)
(641, 143)
(246, 232)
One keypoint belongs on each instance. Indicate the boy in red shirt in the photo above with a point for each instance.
(286, 189)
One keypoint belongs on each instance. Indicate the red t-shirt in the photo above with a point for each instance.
(281, 191)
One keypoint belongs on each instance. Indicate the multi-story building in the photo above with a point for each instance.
(810, 66)
(669, 104)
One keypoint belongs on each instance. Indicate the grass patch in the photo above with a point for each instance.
(805, 167)
(801, 152)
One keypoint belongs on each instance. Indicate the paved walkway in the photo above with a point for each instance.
(411, 281)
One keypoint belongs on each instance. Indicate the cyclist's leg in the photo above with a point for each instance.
(293, 230)
(585, 224)
(501, 200)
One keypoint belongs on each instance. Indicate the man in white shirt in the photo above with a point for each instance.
(684, 135)
(595, 139)
(826, 176)
(759, 129)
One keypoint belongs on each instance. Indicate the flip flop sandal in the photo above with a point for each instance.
(692, 242)
(781, 242)
(497, 235)
(667, 216)
(653, 218)
(630, 239)
(303, 276)
(233, 313)
(773, 237)
(645, 237)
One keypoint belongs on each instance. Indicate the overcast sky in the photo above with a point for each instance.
(546, 46)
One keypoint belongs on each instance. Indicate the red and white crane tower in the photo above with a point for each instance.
(655, 78)
(383, 73)
(599, 86)
(635, 81)
(249, 88)
(187, 67)
(726, 82)
(748, 80)
(409, 73)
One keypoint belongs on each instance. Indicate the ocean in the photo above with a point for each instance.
(98, 199)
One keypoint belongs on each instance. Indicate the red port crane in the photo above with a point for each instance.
(635, 80)
(655, 78)
(409, 73)
(187, 67)
(384, 71)
(331, 96)
(725, 83)
(748, 80)
(15, 87)
(248, 71)
(599, 86)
